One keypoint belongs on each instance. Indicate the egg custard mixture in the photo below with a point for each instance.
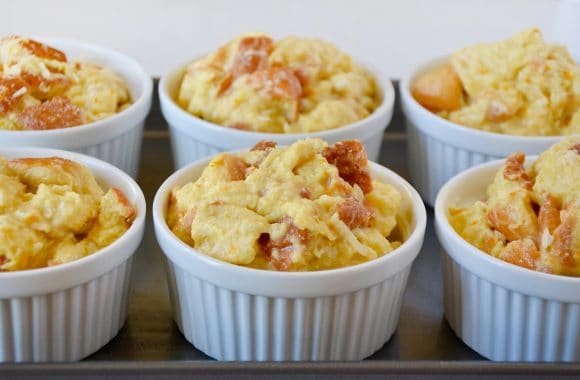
(52, 211)
(293, 85)
(305, 207)
(521, 86)
(41, 89)
(531, 217)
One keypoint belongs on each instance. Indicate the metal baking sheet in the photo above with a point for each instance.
(151, 346)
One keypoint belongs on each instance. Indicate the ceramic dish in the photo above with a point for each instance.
(116, 139)
(502, 311)
(438, 149)
(193, 138)
(233, 312)
(68, 311)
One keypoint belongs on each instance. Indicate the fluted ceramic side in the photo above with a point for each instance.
(432, 162)
(373, 144)
(231, 325)
(123, 151)
(187, 149)
(506, 325)
(67, 325)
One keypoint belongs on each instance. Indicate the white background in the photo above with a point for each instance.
(390, 35)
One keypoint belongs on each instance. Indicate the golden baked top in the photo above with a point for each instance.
(292, 85)
(52, 211)
(306, 207)
(40, 89)
(531, 216)
(520, 86)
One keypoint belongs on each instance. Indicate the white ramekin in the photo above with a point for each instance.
(232, 312)
(438, 149)
(116, 139)
(193, 138)
(67, 312)
(502, 311)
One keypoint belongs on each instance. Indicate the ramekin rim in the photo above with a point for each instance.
(387, 104)
(90, 162)
(441, 218)
(417, 234)
(135, 106)
(439, 122)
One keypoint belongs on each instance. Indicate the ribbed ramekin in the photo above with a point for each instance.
(232, 312)
(502, 311)
(68, 311)
(116, 139)
(438, 149)
(193, 138)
